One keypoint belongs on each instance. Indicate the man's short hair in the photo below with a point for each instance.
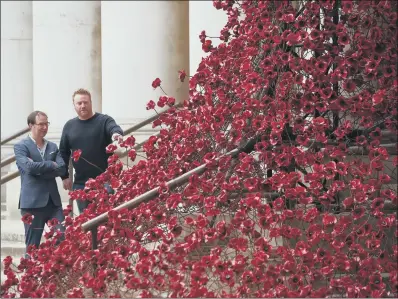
(32, 117)
(81, 91)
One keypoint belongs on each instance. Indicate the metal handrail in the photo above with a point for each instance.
(95, 222)
(149, 120)
(15, 135)
(9, 177)
(136, 147)
(391, 149)
(9, 160)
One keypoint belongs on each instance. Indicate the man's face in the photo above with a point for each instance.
(83, 106)
(40, 128)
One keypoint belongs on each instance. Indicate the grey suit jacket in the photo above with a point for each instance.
(37, 174)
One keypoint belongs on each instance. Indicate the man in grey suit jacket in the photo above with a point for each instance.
(39, 163)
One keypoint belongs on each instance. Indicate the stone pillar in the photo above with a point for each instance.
(16, 65)
(141, 41)
(16, 87)
(66, 56)
(203, 16)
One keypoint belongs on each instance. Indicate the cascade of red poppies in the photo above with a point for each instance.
(307, 91)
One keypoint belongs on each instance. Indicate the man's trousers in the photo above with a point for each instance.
(34, 231)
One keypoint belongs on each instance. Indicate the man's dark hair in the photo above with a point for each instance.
(32, 117)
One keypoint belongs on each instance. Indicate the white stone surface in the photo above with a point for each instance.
(113, 48)
(66, 56)
(142, 40)
(203, 16)
(16, 65)
(13, 192)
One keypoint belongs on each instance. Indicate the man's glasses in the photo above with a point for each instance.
(42, 125)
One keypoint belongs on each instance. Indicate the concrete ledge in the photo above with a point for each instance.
(14, 249)
(11, 237)
(12, 230)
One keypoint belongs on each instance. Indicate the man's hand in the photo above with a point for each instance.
(117, 137)
(67, 184)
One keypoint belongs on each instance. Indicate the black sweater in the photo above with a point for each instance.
(91, 136)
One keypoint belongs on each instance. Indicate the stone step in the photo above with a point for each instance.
(12, 230)
(12, 248)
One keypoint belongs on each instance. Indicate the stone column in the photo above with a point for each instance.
(16, 65)
(66, 56)
(141, 41)
(16, 87)
(203, 16)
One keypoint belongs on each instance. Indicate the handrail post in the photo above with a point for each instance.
(71, 177)
(94, 243)
(95, 222)
(94, 237)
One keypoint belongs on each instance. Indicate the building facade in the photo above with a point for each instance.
(115, 49)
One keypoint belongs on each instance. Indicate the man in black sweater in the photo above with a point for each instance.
(91, 133)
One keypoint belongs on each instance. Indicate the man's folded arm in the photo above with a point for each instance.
(27, 165)
(59, 171)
